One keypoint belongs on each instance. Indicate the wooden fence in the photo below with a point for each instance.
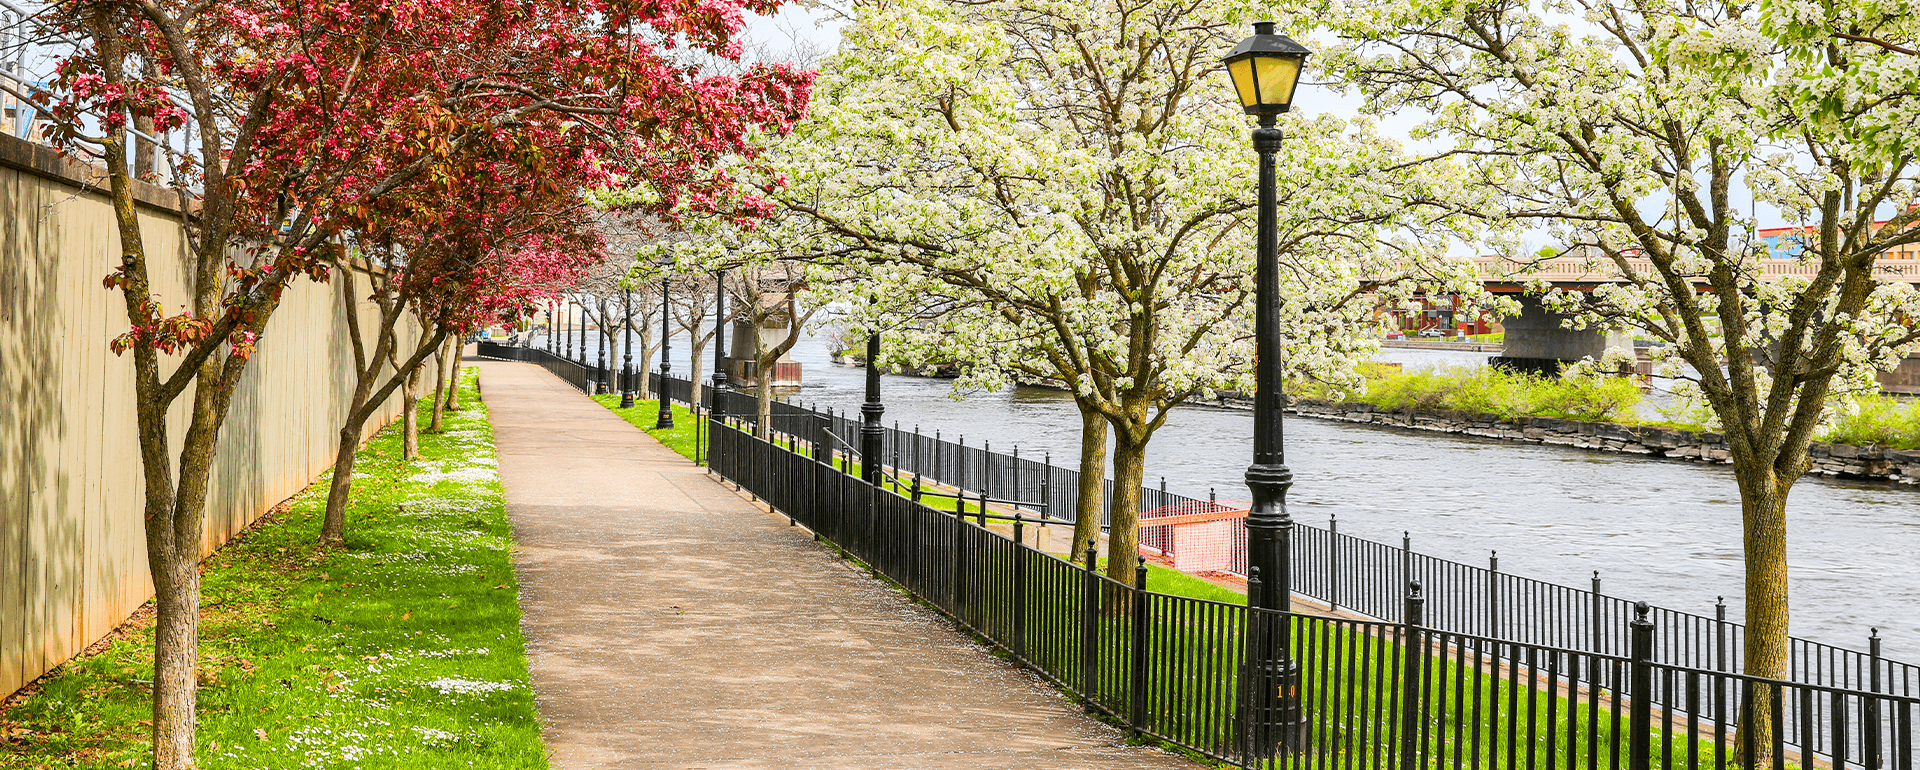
(72, 548)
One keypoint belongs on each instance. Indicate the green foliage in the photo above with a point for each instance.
(1483, 389)
(401, 651)
(1881, 421)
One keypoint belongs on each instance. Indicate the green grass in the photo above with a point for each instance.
(1880, 421)
(401, 650)
(1482, 389)
(683, 437)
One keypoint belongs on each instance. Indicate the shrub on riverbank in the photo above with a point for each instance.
(1488, 390)
(1880, 421)
(401, 650)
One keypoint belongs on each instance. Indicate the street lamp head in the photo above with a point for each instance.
(1265, 70)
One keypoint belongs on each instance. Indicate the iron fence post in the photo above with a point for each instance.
(1252, 747)
(959, 561)
(1593, 612)
(1137, 688)
(1406, 557)
(1090, 629)
(1333, 561)
(1046, 459)
(1870, 710)
(1720, 657)
(1016, 494)
(1019, 591)
(1412, 668)
(1493, 594)
(1640, 738)
(986, 481)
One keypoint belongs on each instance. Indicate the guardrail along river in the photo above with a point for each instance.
(1663, 531)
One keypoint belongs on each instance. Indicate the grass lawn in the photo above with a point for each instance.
(685, 435)
(401, 650)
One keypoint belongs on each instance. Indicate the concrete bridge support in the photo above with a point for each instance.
(1538, 343)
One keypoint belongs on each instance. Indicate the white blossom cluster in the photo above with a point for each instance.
(1063, 191)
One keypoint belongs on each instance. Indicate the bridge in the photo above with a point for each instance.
(1535, 340)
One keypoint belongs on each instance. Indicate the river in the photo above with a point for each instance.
(1663, 531)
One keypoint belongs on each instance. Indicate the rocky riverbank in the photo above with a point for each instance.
(1840, 460)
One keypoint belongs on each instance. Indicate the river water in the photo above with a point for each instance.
(1663, 531)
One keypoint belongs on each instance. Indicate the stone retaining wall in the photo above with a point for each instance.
(1841, 460)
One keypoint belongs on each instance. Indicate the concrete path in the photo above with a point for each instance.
(673, 624)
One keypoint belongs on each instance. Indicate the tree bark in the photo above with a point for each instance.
(439, 389)
(458, 348)
(1123, 511)
(763, 395)
(1767, 648)
(176, 648)
(1090, 498)
(410, 415)
(699, 347)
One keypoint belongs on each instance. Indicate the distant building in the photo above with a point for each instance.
(1791, 242)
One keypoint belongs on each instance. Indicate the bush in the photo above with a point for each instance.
(1508, 396)
(1594, 399)
(1881, 421)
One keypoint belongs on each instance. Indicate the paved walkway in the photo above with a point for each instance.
(673, 624)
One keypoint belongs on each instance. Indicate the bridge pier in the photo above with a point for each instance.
(1537, 343)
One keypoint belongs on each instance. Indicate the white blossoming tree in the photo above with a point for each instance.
(1640, 131)
(1062, 192)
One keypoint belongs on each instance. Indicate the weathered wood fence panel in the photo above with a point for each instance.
(72, 544)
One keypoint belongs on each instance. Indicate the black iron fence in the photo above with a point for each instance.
(586, 375)
(1266, 689)
(1360, 575)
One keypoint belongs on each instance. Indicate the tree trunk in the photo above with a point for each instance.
(366, 400)
(1123, 511)
(410, 416)
(1090, 498)
(334, 524)
(610, 342)
(763, 394)
(176, 652)
(699, 347)
(453, 377)
(1763, 515)
(439, 389)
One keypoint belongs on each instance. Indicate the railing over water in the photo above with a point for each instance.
(1362, 576)
(1369, 693)
(1366, 577)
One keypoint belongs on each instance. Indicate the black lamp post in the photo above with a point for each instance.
(549, 327)
(871, 433)
(626, 345)
(666, 361)
(719, 330)
(1265, 69)
(566, 304)
(600, 353)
